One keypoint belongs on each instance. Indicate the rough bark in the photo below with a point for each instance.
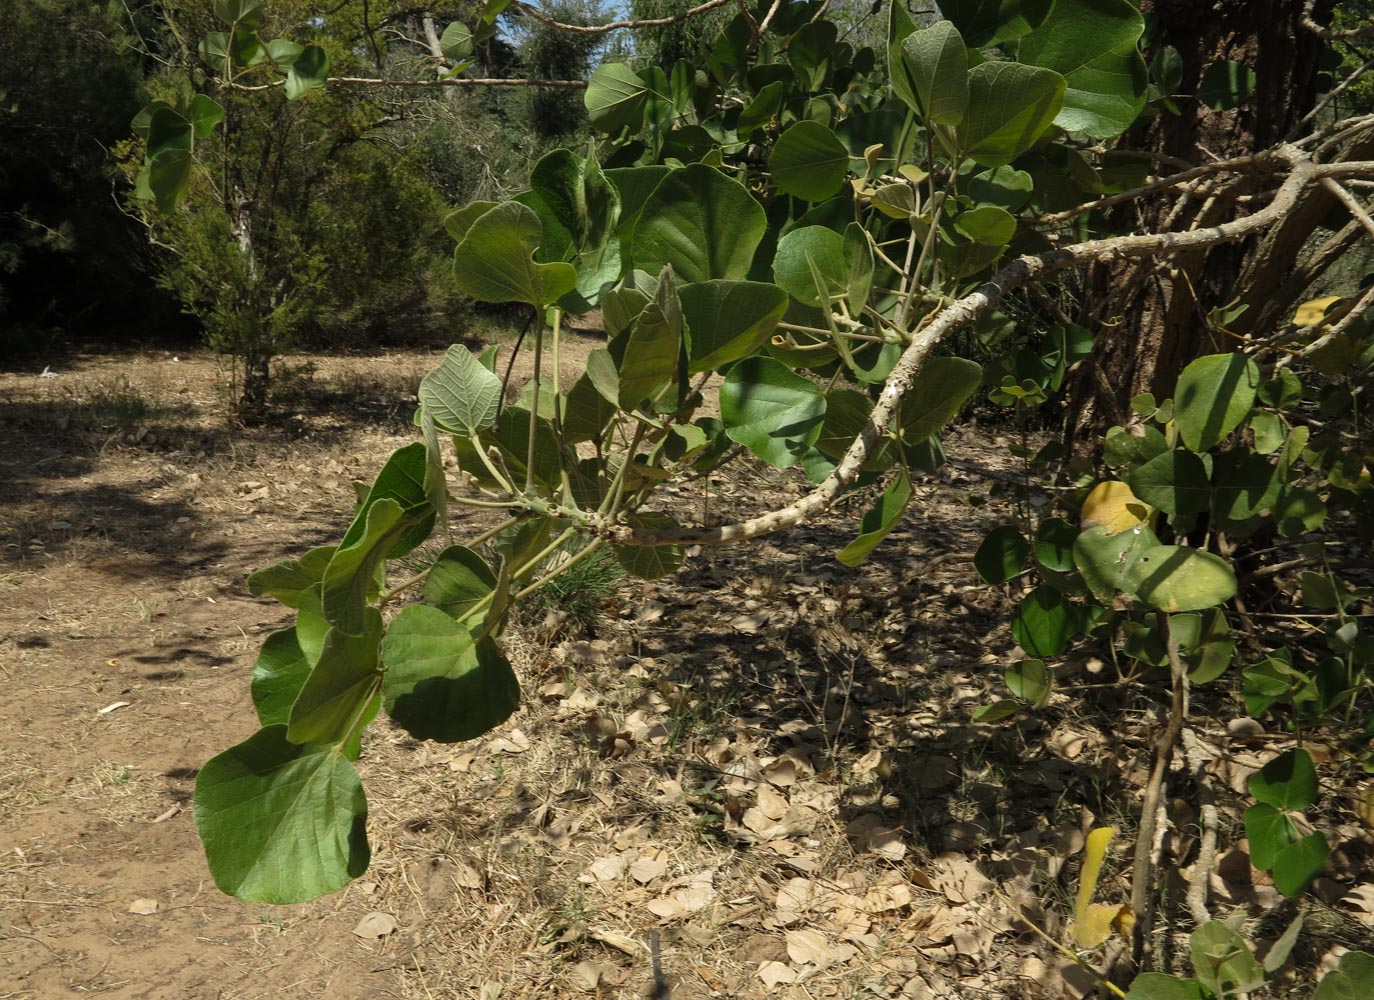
(1151, 318)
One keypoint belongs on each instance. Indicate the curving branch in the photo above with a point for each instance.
(631, 25)
(1303, 172)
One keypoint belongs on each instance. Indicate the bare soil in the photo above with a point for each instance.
(758, 776)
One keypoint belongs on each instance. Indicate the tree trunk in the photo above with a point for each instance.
(1151, 319)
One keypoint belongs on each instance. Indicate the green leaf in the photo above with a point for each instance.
(809, 162)
(458, 580)
(652, 347)
(1288, 782)
(1031, 680)
(987, 225)
(1213, 396)
(439, 684)
(846, 415)
(1010, 108)
(278, 675)
(456, 42)
(1225, 85)
(1176, 482)
(206, 113)
(281, 822)
(1269, 431)
(1269, 832)
(1092, 44)
(800, 250)
(402, 479)
(308, 70)
(460, 394)
(1247, 483)
(1158, 986)
(1223, 960)
(728, 320)
(771, 410)
(288, 579)
(1350, 980)
(1044, 622)
(1002, 554)
(700, 222)
(1179, 578)
(349, 575)
(941, 388)
(809, 53)
(247, 12)
(1298, 864)
(650, 562)
(495, 260)
(615, 98)
(936, 63)
(761, 110)
(991, 22)
(341, 684)
(1107, 558)
(1054, 541)
(879, 520)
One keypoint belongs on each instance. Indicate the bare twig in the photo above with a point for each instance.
(630, 25)
(1365, 302)
(1307, 21)
(1209, 820)
(1349, 201)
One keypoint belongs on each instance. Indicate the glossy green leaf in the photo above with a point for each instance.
(771, 410)
(458, 580)
(281, 822)
(1031, 680)
(495, 260)
(1010, 108)
(1297, 865)
(1107, 558)
(339, 687)
(809, 52)
(205, 114)
(1179, 578)
(1213, 396)
(1348, 981)
(987, 224)
(615, 98)
(348, 578)
(941, 388)
(701, 223)
(278, 676)
(879, 520)
(728, 320)
(1269, 831)
(809, 162)
(1002, 554)
(1176, 482)
(288, 579)
(937, 64)
(650, 562)
(1092, 44)
(308, 71)
(1222, 959)
(762, 109)
(439, 683)
(990, 22)
(846, 415)
(247, 12)
(1247, 483)
(1054, 541)
(1288, 782)
(1044, 622)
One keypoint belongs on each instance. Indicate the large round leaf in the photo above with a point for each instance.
(1010, 107)
(990, 22)
(1002, 554)
(1105, 557)
(1175, 482)
(1179, 578)
(771, 410)
(1092, 44)
(495, 261)
(1213, 396)
(281, 822)
(808, 161)
(700, 222)
(728, 320)
(439, 684)
(1045, 622)
(615, 98)
(937, 65)
(803, 254)
(942, 386)
(460, 394)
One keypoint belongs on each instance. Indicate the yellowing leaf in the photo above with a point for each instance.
(1313, 311)
(1112, 505)
(1095, 922)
